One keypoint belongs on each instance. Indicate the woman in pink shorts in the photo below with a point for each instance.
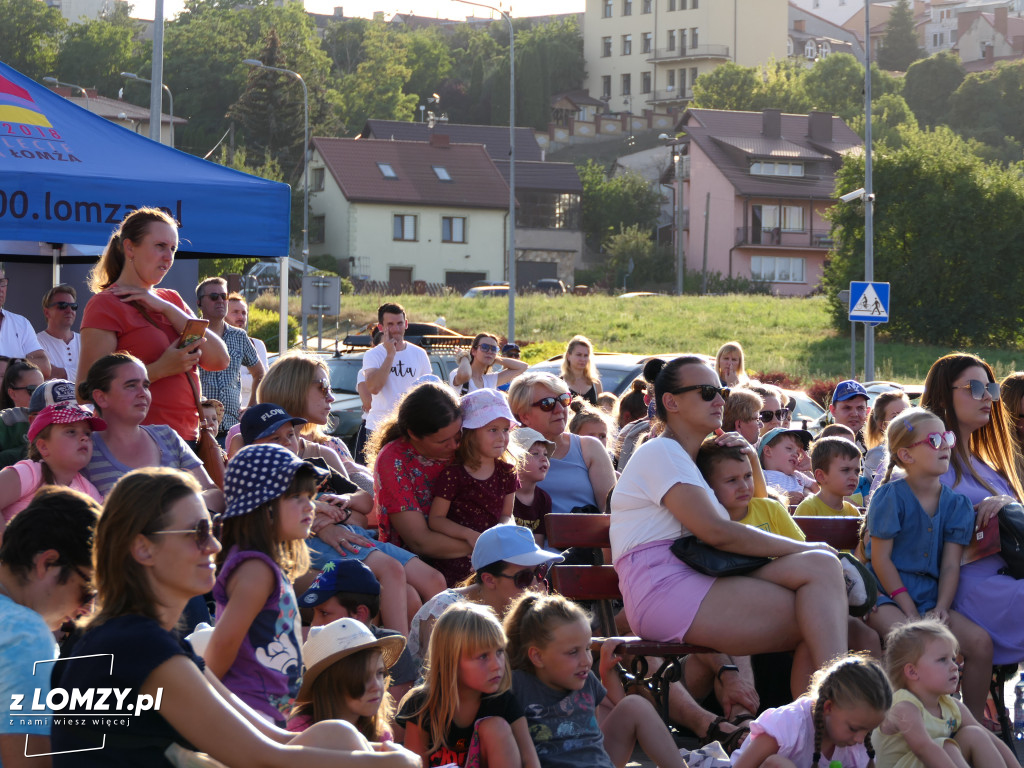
(797, 602)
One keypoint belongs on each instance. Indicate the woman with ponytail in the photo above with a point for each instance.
(128, 313)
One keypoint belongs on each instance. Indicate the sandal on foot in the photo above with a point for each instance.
(730, 741)
(740, 719)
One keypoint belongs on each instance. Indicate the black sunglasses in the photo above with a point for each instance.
(780, 414)
(30, 388)
(525, 578)
(62, 305)
(488, 347)
(216, 296)
(547, 404)
(708, 392)
(205, 532)
(979, 388)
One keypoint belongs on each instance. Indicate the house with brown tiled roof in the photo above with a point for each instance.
(406, 211)
(764, 181)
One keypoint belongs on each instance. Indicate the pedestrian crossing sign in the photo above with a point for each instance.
(869, 303)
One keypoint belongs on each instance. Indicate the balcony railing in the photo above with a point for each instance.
(667, 94)
(693, 52)
(779, 239)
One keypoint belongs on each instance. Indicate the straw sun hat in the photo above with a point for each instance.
(343, 637)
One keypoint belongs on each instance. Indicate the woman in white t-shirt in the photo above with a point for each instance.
(796, 602)
(475, 366)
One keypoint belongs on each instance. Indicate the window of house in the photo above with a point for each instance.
(694, 35)
(442, 173)
(671, 42)
(788, 218)
(606, 86)
(453, 229)
(645, 82)
(777, 269)
(627, 7)
(645, 42)
(682, 41)
(404, 227)
(770, 168)
(607, 9)
(682, 5)
(810, 51)
(695, 4)
(626, 83)
(387, 171)
(671, 5)
(693, 77)
(670, 79)
(606, 47)
(316, 183)
(645, 6)
(316, 228)
(627, 45)
(682, 82)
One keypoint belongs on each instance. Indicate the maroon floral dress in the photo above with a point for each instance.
(476, 504)
(403, 480)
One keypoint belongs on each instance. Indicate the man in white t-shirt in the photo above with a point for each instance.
(390, 369)
(17, 336)
(61, 344)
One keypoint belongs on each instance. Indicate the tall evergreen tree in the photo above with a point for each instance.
(899, 48)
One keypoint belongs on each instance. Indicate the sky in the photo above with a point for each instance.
(449, 9)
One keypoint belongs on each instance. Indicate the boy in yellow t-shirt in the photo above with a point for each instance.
(836, 466)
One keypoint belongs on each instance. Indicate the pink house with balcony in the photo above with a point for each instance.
(764, 181)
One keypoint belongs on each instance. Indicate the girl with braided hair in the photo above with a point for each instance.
(832, 722)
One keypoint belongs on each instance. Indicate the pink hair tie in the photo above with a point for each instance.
(899, 591)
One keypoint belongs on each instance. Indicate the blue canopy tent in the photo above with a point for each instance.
(68, 177)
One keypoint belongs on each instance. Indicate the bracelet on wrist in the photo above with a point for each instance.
(726, 668)
(899, 591)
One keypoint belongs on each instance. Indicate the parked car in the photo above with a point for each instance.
(266, 276)
(550, 286)
(486, 291)
(617, 370)
(807, 414)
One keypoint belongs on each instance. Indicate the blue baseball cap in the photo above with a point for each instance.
(847, 389)
(511, 544)
(263, 420)
(768, 437)
(340, 576)
(259, 473)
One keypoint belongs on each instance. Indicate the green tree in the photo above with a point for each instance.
(944, 269)
(343, 42)
(375, 88)
(929, 84)
(836, 84)
(609, 205)
(634, 246)
(781, 86)
(429, 60)
(96, 51)
(988, 105)
(899, 48)
(729, 86)
(30, 36)
(890, 119)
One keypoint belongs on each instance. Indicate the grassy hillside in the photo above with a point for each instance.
(791, 335)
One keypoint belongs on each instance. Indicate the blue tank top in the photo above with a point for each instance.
(568, 480)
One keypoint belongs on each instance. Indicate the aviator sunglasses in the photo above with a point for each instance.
(204, 533)
(937, 440)
(979, 388)
(707, 391)
(547, 404)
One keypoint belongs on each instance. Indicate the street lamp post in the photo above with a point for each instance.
(170, 96)
(511, 336)
(305, 199)
(55, 81)
(869, 198)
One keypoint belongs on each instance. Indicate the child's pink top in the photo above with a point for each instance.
(792, 727)
(30, 473)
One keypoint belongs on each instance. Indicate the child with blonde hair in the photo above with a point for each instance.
(478, 491)
(831, 723)
(464, 713)
(549, 649)
(918, 529)
(926, 726)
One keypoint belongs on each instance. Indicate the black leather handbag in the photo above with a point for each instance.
(710, 561)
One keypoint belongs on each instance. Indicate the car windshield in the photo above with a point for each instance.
(614, 378)
(344, 371)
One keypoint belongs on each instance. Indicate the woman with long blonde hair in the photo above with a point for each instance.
(579, 370)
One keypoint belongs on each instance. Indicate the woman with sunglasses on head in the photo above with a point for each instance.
(154, 550)
(475, 365)
(795, 602)
(962, 391)
(581, 473)
(506, 562)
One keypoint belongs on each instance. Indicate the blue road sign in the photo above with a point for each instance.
(869, 303)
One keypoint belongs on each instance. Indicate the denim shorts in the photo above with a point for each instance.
(321, 553)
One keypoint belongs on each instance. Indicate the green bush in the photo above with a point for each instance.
(264, 325)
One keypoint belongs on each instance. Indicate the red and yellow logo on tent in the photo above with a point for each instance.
(17, 106)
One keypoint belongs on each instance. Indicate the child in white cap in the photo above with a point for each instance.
(532, 503)
(478, 490)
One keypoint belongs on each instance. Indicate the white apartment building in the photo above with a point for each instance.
(940, 30)
(642, 54)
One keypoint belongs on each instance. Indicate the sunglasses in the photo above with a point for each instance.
(325, 387)
(488, 347)
(215, 297)
(527, 577)
(88, 594)
(547, 404)
(708, 392)
(937, 440)
(780, 414)
(205, 532)
(62, 305)
(979, 388)
(30, 388)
